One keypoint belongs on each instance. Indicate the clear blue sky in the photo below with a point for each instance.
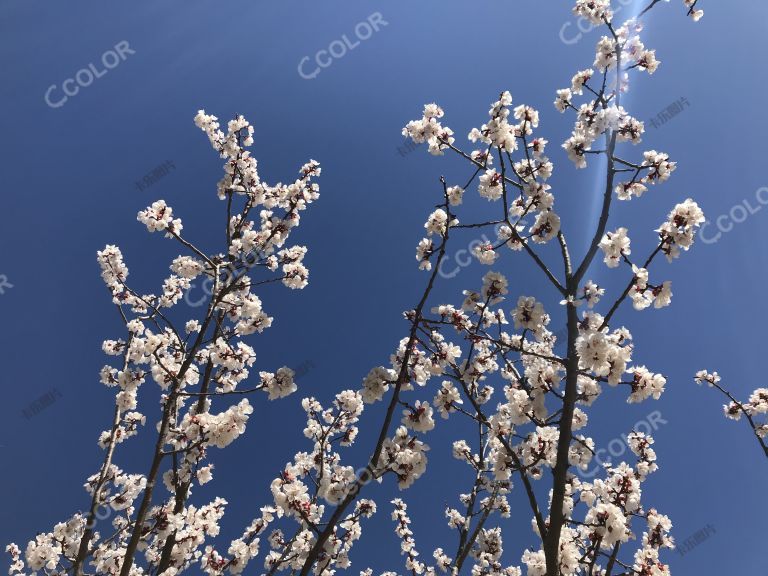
(68, 182)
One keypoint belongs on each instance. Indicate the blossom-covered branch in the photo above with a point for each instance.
(192, 361)
(754, 410)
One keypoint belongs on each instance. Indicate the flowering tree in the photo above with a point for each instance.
(195, 362)
(752, 410)
(451, 360)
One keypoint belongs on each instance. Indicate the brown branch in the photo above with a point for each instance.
(402, 378)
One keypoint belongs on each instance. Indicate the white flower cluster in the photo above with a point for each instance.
(615, 245)
(498, 132)
(529, 315)
(314, 476)
(404, 533)
(522, 184)
(680, 228)
(403, 455)
(603, 353)
(604, 115)
(692, 11)
(158, 217)
(429, 130)
(644, 294)
(596, 11)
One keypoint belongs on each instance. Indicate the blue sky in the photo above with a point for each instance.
(69, 180)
